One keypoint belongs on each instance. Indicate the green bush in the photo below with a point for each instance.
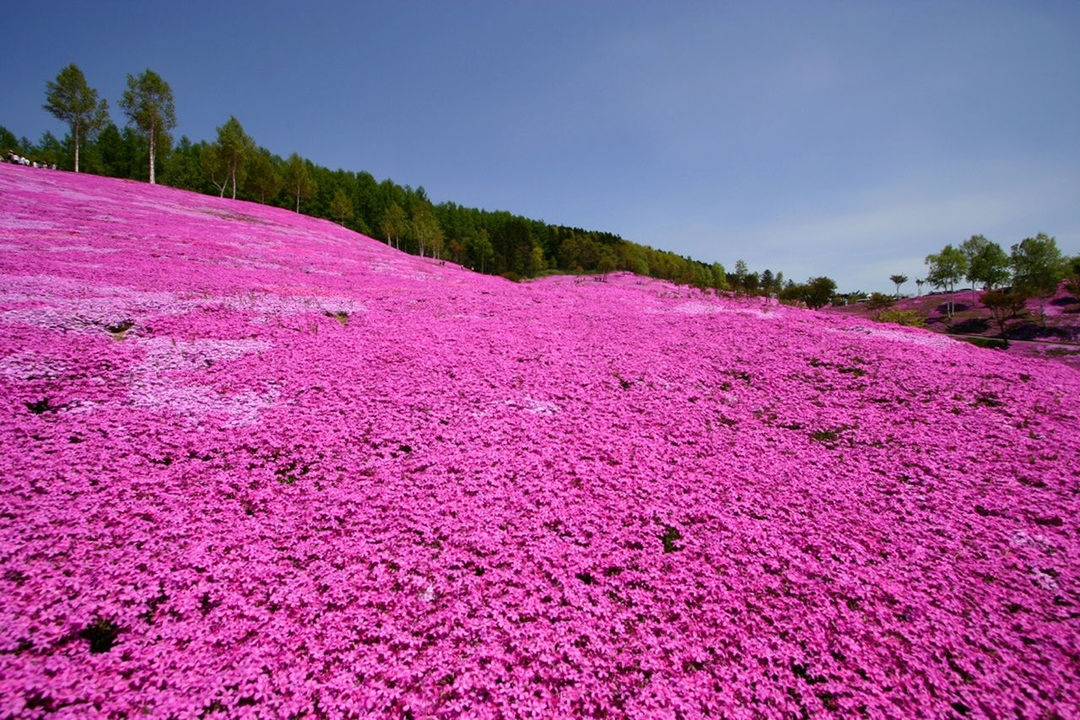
(984, 342)
(879, 301)
(902, 317)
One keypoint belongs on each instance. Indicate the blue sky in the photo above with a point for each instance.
(841, 138)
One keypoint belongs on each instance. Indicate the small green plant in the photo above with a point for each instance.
(102, 634)
(824, 436)
(40, 406)
(119, 330)
(670, 538)
(340, 315)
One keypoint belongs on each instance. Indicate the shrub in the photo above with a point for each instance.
(879, 301)
(902, 317)
(985, 342)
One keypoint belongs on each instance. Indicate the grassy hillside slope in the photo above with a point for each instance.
(256, 465)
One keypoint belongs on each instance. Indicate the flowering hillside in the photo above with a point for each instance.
(256, 465)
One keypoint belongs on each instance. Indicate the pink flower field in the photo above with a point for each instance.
(258, 466)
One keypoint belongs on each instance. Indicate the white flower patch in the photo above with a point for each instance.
(534, 406)
(166, 354)
(31, 365)
(911, 338)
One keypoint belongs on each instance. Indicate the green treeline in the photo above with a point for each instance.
(494, 242)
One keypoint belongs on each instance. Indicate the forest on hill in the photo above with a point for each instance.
(491, 242)
(235, 165)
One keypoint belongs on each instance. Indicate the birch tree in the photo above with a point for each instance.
(298, 179)
(148, 104)
(235, 147)
(71, 100)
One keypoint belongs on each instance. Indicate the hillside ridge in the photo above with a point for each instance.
(260, 465)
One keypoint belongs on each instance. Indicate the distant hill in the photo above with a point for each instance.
(1058, 338)
(258, 465)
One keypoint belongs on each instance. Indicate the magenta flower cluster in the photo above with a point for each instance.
(257, 466)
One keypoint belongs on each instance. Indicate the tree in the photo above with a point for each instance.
(1038, 268)
(987, 262)
(71, 100)
(1072, 277)
(8, 141)
(741, 272)
(767, 282)
(184, 168)
(298, 179)
(946, 269)
(606, 263)
(426, 230)
(898, 280)
(480, 249)
(234, 147)
(394, 224)
(918, 284)
(818, 292)
(215, 166)
(148, 104)
(1004, 306)
(262, 176)
(341, 206)
(719, 277)
(49, 151)
(879, 301)
(537, 262)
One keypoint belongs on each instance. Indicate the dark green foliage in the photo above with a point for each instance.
(1004, 306)
(39, 407)
(8, 141)
(984, 342)
(879, 301)
(71, 100)
(814, 293)
(148, 104)
(1038, 268)
(101, 634)
(947, 268)
(987, 262)
(901, 317)
(670, 538)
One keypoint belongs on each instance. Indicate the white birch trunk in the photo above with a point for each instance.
(152, 128)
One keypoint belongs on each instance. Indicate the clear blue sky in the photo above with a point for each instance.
(839, 138)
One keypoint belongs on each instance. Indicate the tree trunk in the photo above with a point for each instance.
(234, 182)
(75, 128)
(152, 182)
(298, 199)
